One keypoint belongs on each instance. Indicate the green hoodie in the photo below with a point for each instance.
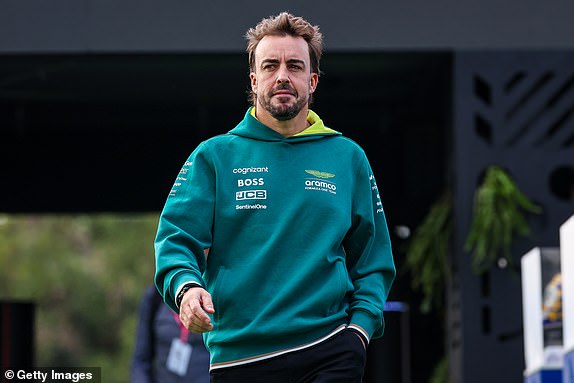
(297, 238)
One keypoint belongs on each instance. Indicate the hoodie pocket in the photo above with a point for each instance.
(217, 281)
(343, 287)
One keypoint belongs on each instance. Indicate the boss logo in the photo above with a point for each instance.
(250, 182)
(250, 194)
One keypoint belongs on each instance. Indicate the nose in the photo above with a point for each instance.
(283, 75)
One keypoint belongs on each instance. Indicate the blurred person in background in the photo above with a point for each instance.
(165, 351)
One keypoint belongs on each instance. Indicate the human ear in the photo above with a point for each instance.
(313, 82)
(253, 79)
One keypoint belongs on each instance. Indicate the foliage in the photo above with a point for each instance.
(497, 217)
(440, 373)
(427, 251)
(86, 275)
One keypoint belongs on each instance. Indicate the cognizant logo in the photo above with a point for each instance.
(251, 169)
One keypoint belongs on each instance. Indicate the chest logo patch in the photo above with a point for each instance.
(321, 181)
(319, 174)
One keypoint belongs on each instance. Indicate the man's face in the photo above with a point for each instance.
(282, 80)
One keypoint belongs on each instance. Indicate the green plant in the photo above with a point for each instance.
(497, 216)
(427, 253)
(86, 275)
(440, 373)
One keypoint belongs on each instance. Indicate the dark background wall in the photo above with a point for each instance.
(109, 132)
(218, 26)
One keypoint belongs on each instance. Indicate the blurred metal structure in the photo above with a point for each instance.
(17, 343)
(515, 110)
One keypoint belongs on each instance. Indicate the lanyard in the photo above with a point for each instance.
(183, 332)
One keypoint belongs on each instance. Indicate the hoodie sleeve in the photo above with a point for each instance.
(369, 256)
(185, 227)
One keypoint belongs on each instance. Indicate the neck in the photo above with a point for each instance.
(286, 128)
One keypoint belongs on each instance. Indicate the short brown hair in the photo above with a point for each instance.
(282, 25)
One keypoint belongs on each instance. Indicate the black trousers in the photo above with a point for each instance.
(340, 359)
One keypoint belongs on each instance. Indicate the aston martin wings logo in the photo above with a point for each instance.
(319, 174)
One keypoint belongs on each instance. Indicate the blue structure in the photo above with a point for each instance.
(568, 373)
(545, 376)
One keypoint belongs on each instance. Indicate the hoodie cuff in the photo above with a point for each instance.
(363, 323)
(181, 291)
(180, 281)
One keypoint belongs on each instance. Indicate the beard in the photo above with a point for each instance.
(283, 111)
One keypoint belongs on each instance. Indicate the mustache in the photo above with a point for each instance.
(283, 87)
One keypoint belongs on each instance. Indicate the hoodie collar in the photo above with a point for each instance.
(251, 127)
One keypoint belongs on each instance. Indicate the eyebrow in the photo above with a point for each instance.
(290, 61)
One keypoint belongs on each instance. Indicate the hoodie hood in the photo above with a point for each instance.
(251, 127)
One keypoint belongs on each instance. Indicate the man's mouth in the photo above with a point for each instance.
(284, 93)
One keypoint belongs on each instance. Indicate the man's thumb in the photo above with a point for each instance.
(207, 303)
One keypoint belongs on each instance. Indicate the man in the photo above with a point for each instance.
(273, 241)
(165, 351)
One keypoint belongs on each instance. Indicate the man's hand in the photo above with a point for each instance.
(195, 306)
